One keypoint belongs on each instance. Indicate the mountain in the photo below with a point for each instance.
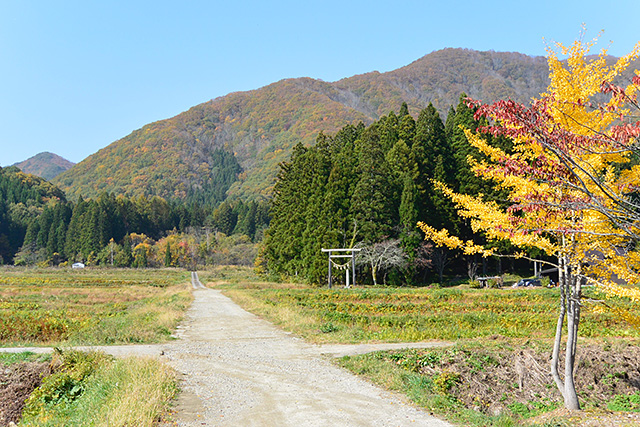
(22, 199)
(45, 165)
(177, 157)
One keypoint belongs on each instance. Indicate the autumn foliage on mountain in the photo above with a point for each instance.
(185, 156)
(38, 226)
(45, 165)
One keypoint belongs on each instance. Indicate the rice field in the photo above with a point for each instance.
(90, 306)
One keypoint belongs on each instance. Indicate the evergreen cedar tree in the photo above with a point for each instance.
(368, 185)
(570, 183)
(22, 197)
(38, 224)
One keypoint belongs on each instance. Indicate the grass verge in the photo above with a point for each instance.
(8, 359)
(507, 383)
(98, 390)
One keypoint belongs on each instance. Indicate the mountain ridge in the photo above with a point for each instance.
(172, 157)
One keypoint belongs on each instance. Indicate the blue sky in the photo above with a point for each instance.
(78, 75)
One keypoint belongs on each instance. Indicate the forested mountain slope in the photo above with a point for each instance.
(234, 144)
(22, 198)
(45, 165)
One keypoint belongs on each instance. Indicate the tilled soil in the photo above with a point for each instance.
(16, 384)
(523, 376)
(238, 370)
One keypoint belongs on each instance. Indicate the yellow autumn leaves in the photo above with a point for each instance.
(581, 210)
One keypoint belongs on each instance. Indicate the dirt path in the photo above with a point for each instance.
(239, 370)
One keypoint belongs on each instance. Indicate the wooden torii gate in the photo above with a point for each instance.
(341, 253)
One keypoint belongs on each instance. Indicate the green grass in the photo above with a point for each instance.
(93, 389)
(474, 383)
(235, 277)
(7, 359)
(485, 324)
(56, 306)
(90, 306)
(119, 306)
(426, 392)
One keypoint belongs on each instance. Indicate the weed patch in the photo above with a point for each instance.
(98, 390)
(92, 307)
(625, 402)
(385, 314)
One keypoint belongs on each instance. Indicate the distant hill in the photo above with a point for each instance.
(45, 165)
(177, 157)
(22, 198)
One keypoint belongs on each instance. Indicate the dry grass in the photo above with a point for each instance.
(93, 307)
(91, 389)
(143, 388)
(401, 314)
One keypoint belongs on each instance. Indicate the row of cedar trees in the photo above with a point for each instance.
(22, 198)
(367, 185)
(38, 224)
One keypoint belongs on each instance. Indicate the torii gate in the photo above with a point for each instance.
(352, 255)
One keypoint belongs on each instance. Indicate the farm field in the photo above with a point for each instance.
(495, 372)
(403, 314)
(90, 306)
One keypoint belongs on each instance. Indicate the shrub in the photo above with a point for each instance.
(445, 381)
(474, 284)
(67, 383)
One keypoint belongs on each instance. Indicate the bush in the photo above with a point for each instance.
(495, 283)
(67, 383)
(474, 284)
(445, 381)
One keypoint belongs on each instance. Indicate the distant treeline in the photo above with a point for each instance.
(368, 185)
(365, 186)
(38, 224)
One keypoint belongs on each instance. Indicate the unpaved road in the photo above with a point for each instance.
(239, 370)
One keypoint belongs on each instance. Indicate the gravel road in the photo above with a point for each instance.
(239, 370)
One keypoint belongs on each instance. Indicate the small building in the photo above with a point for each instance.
(77, 265)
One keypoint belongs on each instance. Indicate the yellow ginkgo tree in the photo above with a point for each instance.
(573, 186)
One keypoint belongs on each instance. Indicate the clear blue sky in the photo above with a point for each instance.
(78, 75)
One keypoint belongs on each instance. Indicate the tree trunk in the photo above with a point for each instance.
(573, 313)
(570, 291)
(440, 262)
(571, 401)
(374, 274)
(558, 339)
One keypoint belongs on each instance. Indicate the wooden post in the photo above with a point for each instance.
(353, 267)
(330, 269)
